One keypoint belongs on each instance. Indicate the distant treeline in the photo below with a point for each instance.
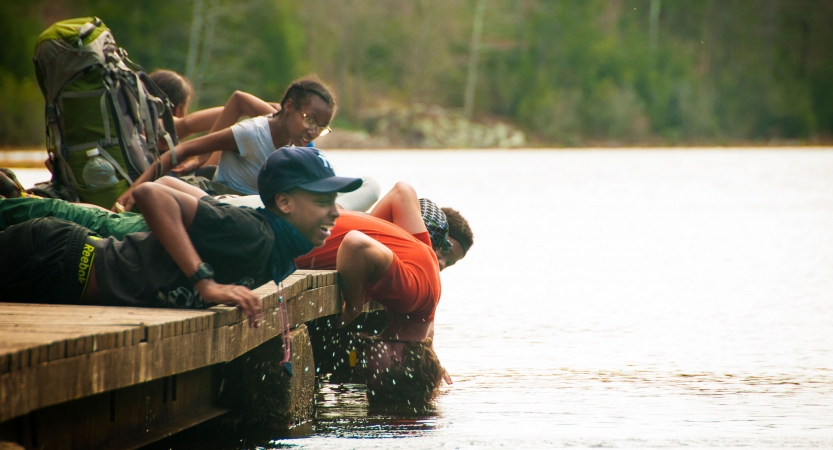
(569, 72)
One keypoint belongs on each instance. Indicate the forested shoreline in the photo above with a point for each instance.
(566, 73)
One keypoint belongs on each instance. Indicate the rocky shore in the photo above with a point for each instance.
(424, 126)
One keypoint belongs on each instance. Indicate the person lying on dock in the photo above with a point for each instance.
(106, 223)
(388, 256)
(306, 110)
(198, 251)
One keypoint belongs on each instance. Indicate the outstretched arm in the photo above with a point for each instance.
(169, 214)
(196, 122)
(221, 140)
(238, 105)
(360, 259)
(401, 207)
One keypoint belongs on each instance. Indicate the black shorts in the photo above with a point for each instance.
(45, 260)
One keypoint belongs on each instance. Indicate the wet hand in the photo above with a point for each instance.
(233, 295)
(447, 377)
(346, 316)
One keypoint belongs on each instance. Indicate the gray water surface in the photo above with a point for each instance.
(633, 298)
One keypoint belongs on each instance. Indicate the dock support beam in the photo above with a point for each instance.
(256, 384)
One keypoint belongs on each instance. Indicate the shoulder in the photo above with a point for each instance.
(254, 125)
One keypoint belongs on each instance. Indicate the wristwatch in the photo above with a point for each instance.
(204, 270)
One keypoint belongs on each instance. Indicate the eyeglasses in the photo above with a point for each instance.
(316, 129)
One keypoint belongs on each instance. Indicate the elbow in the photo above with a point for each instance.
(357, 250)
(355, 242)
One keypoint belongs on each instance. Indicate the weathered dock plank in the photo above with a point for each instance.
(51, 354)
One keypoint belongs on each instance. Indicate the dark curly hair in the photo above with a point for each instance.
(301, 89)
(458, 228)
(415, 381)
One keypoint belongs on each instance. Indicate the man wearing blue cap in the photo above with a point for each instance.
(198, 251)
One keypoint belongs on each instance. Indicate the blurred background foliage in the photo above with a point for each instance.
(568, 72)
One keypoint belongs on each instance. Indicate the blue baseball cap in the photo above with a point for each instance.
(301, 167)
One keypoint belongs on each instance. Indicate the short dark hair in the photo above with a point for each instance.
(415, 381)
(300, 90)
(178, 89)
(458, 228)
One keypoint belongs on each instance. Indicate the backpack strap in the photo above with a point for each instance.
(113, 89)
(104, 153)
(53, 132)
(106, 118)
(171, 149)
(127, 138)
(144, 112)
(62, 176)
(166, 107)
(112, 161)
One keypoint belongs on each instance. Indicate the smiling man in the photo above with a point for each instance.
(198, 251)
(388, 256)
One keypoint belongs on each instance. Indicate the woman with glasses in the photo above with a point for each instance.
(307, 108)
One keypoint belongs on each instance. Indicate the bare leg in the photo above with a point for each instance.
(362, 198)
(401, 207)
(181, 186)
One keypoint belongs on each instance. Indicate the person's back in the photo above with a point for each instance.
(413, 287)
(236, 242)
(52, 260)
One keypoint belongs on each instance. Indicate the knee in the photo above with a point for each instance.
(167, 180)
(404, 190)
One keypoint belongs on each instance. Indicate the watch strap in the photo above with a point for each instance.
(204, 270)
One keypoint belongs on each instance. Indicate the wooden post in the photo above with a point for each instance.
(258, 387)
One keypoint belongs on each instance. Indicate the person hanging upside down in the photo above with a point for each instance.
(388, 256)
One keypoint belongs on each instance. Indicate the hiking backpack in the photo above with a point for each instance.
(97, 98)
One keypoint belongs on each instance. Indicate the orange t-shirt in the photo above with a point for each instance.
(411, 286)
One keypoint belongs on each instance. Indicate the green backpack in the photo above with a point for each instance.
(97, 98)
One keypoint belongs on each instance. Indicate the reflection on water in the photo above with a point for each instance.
(619, 299)
(342, 411)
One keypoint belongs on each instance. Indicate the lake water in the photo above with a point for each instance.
(633, 298)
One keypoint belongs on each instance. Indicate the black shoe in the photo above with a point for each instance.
(9, 186)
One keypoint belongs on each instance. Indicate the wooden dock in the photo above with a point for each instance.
(113, 377)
